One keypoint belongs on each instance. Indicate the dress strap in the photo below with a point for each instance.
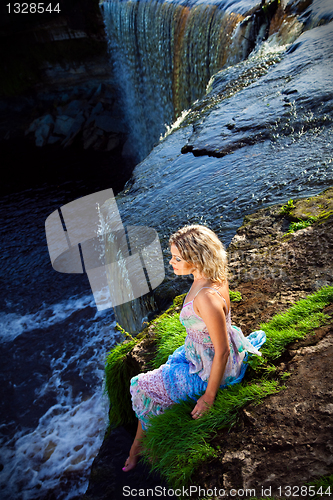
(211, 288)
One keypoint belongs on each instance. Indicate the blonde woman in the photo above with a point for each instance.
(213, 354)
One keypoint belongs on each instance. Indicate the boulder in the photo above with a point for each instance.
(316, 206)
(63, 125)
(76, 107)
(101, 143)
(76, 127)
(42, 127)
(100, 90)
(42, 120)
(97, 109)
(91, 136)
(42, 134)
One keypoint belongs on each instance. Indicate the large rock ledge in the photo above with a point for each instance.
(287, 440)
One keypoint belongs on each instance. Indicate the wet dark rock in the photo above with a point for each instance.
(42, 134)
(262, 111)
(95, 124)
(96, 110)
(72, 86)
(100, 90)
(75, 107)
(74, 130)
(42, 127)
(107, 480)
(63, 124)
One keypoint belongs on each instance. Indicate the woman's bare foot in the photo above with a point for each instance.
(133, 458)
(135, 450)
(130, 464)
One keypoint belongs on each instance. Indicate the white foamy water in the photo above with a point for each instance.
(13, 324)
(57, 455)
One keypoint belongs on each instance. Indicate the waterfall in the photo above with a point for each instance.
(165, 52)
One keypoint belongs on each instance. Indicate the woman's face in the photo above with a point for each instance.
(180, 266)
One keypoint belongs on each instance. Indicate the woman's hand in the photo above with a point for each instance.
(203, 405)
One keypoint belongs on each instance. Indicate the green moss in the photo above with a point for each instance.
(235, 296)
(170, 334)
(303, 223)
(305, 212)
(127, 335)
(118, 375)
(287, 208)
(325, 214)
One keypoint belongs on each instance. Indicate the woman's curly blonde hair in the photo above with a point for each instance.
(201, 247)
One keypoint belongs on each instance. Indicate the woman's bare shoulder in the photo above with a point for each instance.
(209, 298)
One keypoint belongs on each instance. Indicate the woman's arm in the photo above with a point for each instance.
(211, 310)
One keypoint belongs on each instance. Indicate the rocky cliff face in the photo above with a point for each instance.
(91, 113)
(58, 85)
(63, 39)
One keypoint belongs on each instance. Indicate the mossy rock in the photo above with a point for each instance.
(320, 206)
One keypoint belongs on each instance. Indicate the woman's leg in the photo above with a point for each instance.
(135, 449)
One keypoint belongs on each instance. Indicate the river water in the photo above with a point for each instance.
(53, 342)
(269, 141)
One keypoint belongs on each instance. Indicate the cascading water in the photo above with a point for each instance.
(164, 54)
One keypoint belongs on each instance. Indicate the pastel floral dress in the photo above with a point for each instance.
(187, 370)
